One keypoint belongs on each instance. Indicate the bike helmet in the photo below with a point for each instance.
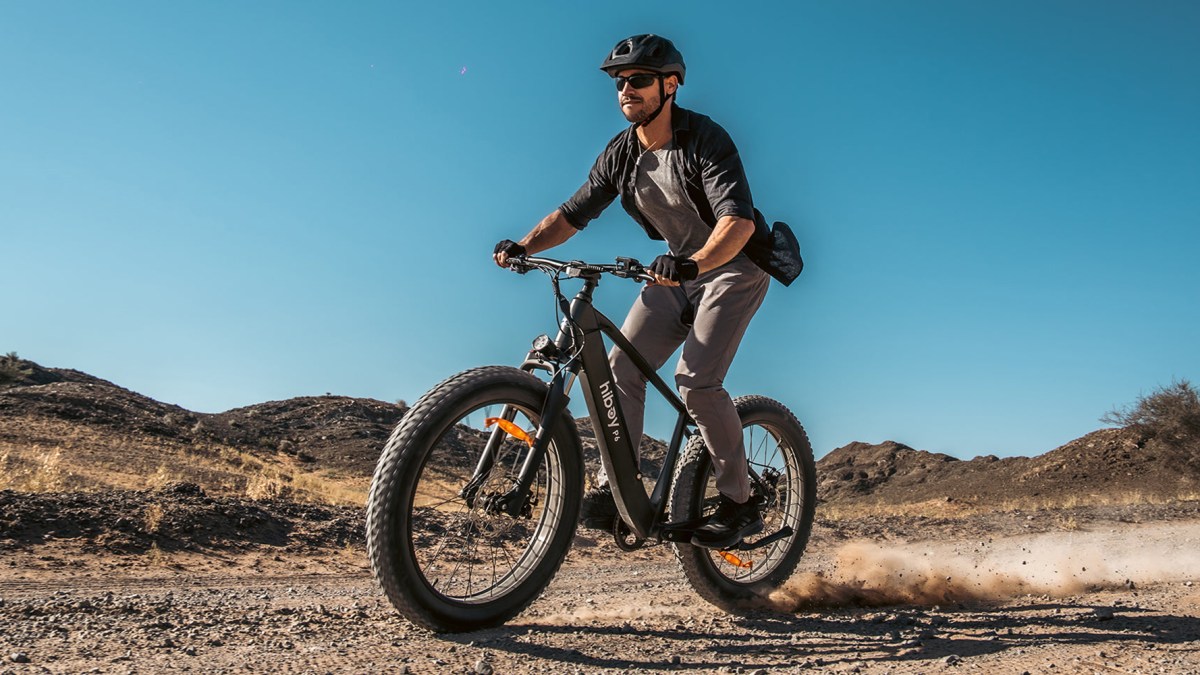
(645, 51)
(648, 52)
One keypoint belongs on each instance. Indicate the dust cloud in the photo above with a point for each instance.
(868, 574)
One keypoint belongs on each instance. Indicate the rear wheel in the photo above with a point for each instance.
(782, 479)
(452, 560)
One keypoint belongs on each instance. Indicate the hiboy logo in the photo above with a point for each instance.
(610, 410)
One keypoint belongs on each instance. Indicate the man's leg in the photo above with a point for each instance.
(725, 304)
(655, 328)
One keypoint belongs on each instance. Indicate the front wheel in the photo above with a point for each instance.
(447, 555)
(782, 480)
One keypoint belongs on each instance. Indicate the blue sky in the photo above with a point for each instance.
(223, 203)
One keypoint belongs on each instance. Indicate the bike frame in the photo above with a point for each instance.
(579, 335)
(618, 452)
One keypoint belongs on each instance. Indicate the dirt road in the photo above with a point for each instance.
(1108, 597)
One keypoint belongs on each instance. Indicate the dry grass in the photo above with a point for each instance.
(939, 508)
(850, 510)
(155, 556)
(73, 457)
(35, 471)
(1119, 498)
(153, 518)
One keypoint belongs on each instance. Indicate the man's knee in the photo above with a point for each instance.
(701, 397)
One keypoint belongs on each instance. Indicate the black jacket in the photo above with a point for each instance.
(714, 180)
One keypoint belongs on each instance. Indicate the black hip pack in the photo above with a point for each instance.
(775, 250)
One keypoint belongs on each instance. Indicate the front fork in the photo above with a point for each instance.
(513, 502)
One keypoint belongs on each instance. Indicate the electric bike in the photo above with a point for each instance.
(476, 497)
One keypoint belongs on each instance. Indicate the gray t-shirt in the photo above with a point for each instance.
(664, 201)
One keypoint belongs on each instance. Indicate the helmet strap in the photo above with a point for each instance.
(662, 102)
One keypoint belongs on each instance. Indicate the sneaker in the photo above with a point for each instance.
(599, 509)
(731, 523)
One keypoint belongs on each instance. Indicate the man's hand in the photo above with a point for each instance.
(669, 270)
(507, 249)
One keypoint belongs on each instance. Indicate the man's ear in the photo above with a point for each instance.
(672, 83)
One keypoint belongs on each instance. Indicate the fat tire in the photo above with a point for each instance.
(389, 505)
(688, 495)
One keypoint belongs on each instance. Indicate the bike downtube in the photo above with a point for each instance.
(617, 452)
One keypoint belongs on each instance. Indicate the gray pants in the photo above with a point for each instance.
(722, 301)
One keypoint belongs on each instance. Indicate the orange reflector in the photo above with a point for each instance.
(510, 429)
(735, 561)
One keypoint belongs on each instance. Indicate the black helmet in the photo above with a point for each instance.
(645, 51)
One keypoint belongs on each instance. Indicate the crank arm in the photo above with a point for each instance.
(783, 533)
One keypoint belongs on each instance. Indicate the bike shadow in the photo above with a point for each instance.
(897, 635)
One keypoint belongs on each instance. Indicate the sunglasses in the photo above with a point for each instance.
(639, 81)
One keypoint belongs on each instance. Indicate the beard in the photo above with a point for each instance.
(649, 105)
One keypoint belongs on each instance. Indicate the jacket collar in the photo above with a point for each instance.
(681, 119)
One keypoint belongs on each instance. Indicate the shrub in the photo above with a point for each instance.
(1170, 415)
(12, 369)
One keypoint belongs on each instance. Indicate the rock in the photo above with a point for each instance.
(952, 660)
(1103, 614)
(676, 659)
(19, 657)
(483, 667)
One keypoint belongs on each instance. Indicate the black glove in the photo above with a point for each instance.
(510, 248)
(677, 268)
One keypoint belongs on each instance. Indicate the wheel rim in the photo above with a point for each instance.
(463, 552)
(780, 486)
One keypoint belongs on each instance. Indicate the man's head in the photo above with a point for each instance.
(641, 93)
(648, 70)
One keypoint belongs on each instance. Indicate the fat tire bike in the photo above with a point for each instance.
(476, 496)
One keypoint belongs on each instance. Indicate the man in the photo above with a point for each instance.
(679, 175)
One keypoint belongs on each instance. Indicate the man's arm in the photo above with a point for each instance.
(552, 231)
(727, 239)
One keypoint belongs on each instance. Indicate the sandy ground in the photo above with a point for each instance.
(1111, 597)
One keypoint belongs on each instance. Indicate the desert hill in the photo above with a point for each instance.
(331, 430)
(98, 434)
(86, 432)
(1104, 466)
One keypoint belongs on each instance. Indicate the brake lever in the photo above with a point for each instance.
(518, 265)
(630, 268)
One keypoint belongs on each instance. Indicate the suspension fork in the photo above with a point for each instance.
(513, 501)
(487, 458)
(556, 402)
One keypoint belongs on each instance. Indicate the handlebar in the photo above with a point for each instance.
(625, 268)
